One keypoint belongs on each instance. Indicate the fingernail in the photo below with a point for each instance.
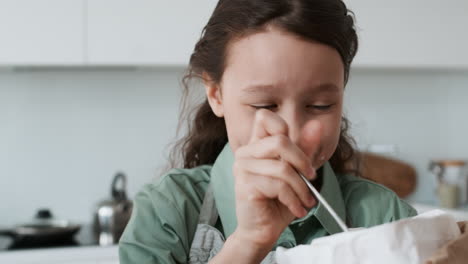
(311, 173)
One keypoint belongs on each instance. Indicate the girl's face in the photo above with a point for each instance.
(297, 79)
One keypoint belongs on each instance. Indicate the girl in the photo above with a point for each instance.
(274, 74)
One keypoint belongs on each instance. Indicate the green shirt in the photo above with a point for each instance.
(165, 214)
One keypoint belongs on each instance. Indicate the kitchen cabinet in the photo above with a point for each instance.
(144, 32)
(38, 32)
(397, 33)
(100, 32)
(417, 33)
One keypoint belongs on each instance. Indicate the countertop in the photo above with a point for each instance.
(460, 214)
(84, 251)
(64, 255)
(93, 254)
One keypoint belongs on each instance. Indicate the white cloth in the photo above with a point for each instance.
(406, 241)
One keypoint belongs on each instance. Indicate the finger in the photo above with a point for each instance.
(275, 189)
(267, 123)
(281, 171)
(279, 147)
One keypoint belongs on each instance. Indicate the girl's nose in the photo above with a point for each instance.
(295, 125)
(295, 133)
(310, 138)
(306, 135)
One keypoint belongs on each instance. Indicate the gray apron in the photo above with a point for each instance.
(208, 240)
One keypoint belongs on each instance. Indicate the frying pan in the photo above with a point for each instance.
(43, 231)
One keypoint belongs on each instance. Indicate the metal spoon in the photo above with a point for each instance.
(325, 203)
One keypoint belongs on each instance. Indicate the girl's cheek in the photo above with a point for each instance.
(238, 136)
(327, 147)
(331, 135)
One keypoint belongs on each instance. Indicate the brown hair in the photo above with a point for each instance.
(326, 21)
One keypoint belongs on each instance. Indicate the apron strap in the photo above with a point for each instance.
(208, 212)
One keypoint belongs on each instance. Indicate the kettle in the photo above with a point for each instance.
(112, 215)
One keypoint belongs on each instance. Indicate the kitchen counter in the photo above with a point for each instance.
(83, 250)
(93, 254)
(460, 214)
(66, 255)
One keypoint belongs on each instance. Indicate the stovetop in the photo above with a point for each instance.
(84, 237)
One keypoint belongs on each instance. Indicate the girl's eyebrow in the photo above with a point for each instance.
(325, 88)
(259, 88)
(267, 89)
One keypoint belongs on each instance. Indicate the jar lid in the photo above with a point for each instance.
(446, 163)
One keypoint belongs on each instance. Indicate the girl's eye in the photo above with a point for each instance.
(269, 107)
(321, 107)
(273, 106)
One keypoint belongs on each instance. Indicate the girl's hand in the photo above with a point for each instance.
(269, 191)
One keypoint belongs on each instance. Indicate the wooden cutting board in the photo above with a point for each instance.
(393, 174)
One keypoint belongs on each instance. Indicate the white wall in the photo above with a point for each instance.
(423, 113)
(63, 134)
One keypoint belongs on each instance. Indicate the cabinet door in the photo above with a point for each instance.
(144, 32)
(41, 32)
(416, 33)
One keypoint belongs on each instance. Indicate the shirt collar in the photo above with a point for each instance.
(222, 180)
